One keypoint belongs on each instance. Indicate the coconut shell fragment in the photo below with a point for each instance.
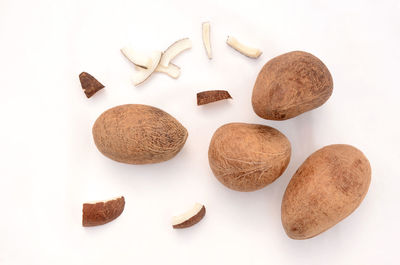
(89, 84)
(189, 218)
(210, 96)
(99, 213)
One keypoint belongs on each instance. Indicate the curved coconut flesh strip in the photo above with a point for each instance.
(243, 49)
(172, 70)
(143, 74)
(138, 59)
(206, 38)
(189, 218)
(174, 50)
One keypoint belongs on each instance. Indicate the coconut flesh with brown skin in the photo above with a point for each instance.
(189, 218)
(327, 187)
(138, 134)
(291, 84)
(102, 212)
(248, 157)
(210, 96)
(90, 85)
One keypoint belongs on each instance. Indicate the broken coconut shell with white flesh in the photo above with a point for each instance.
(189, 218)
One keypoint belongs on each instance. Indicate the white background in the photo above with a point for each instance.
(50, 165)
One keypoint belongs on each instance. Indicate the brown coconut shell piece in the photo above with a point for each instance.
(99, 213)
(89, 84)
(210, 96)
(194, 219)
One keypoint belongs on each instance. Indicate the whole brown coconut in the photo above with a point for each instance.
(138, 134)
(248, 157)
(326, 188)
(291, 84)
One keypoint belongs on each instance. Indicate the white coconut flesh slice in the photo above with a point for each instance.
(243, 49)
(174, 50)
(137, 58)
(172, 70)
(143, 74)
(206, 38)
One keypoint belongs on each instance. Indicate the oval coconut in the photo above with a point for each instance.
(138, 134)
(248, 157)
(327, 187)
(291, 84)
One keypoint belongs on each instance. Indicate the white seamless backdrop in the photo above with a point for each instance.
(50, 165)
